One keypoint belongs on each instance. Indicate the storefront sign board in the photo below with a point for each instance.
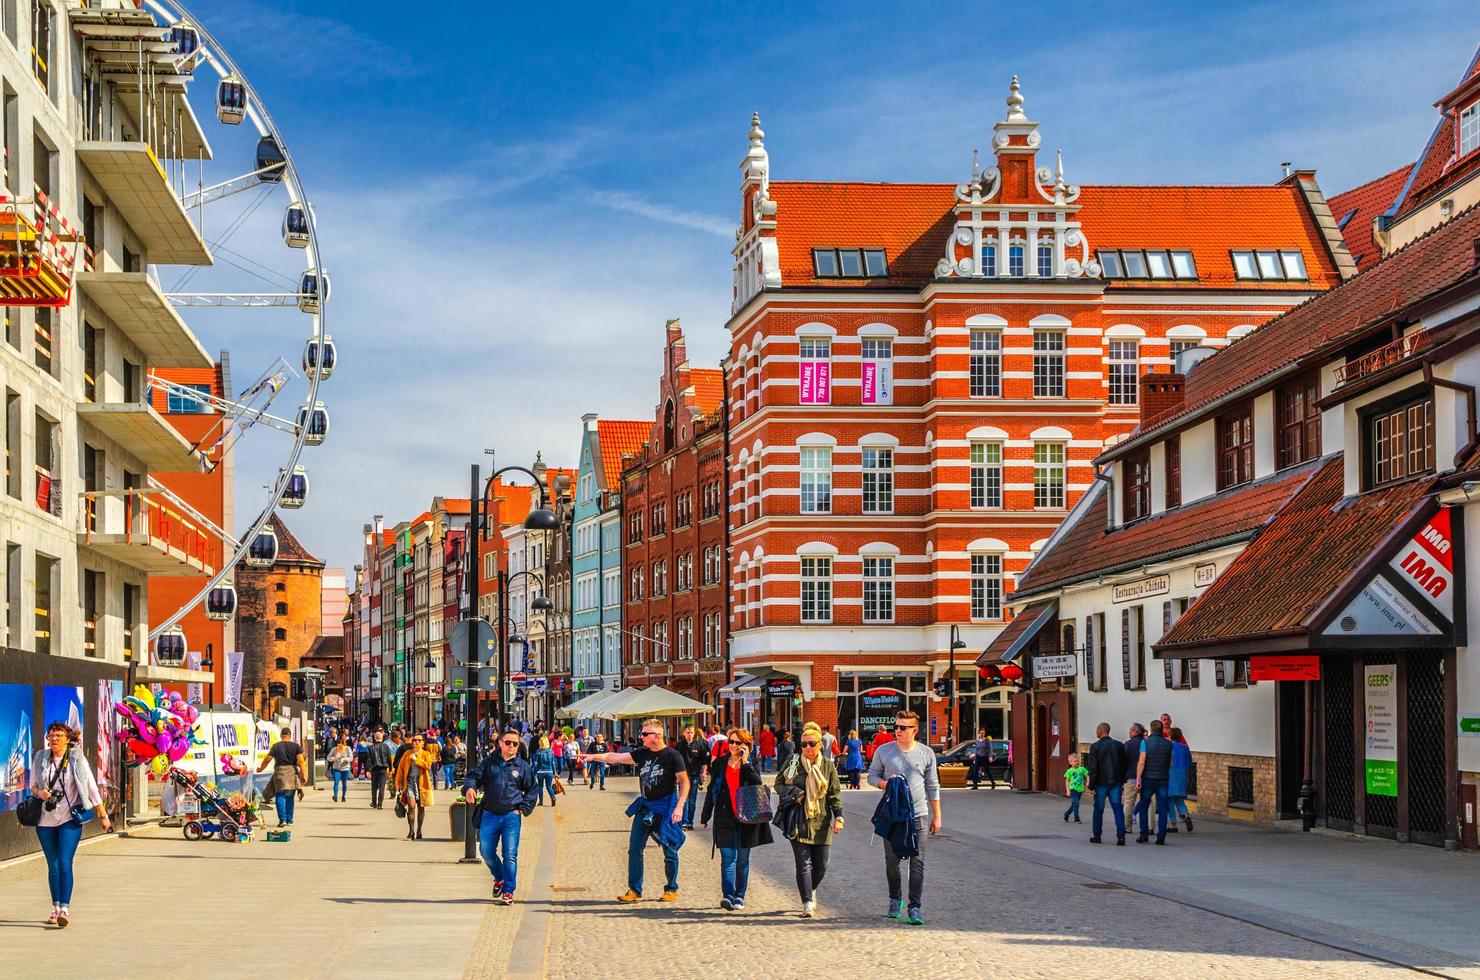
(1426, 562)
(1204, 574)
(1141, 589)
(1285, 668)
(1380, 688)
(1059, 665)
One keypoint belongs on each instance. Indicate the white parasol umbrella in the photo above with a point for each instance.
(653, 702)
(583, 707)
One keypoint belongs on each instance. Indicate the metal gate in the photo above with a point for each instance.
(1426, 763)
(1336, 685)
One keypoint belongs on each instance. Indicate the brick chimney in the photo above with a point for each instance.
(1160, 394)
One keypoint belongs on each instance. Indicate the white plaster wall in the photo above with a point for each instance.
(1264, 435)
(1199, 462)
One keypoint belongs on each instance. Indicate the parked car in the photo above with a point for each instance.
(961, 755)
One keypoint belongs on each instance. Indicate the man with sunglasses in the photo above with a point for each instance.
(658, 812)
(915, 763)
(507, 782)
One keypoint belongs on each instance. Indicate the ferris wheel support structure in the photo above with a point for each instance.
(211, 52)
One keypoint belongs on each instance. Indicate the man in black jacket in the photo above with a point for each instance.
(1153, 770)
(379, 760)
(1106, 773)
(506, 783)
(695, 752)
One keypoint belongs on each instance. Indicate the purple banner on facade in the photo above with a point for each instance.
(815, 383)
(870, 383)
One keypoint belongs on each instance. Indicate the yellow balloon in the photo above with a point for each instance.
(159, 764)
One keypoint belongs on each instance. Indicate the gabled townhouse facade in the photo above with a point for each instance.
(920, 377)
(1276, 558)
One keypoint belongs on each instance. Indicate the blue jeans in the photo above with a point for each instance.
(341, 782)
(1177, 807)
(688, 804)
(1097, 823)
(544, 782)
(1073, 811)
(501, 831)
(768, 762)
(1157, 788)
(592, 769)
(284, 802)
(59, 844)
(734, 872)
(635, 844)
(448, 769)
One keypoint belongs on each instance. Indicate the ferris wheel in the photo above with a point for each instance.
(168, 49)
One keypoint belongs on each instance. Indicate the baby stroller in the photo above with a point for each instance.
(229, 816)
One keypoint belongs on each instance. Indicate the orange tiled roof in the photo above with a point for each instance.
(912, 222)
(289, 547)
(616, 438)
(709, 388)
(457, 505)
(1437, 168)
(1355, 209)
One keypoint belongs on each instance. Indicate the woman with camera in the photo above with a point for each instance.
(64, 781)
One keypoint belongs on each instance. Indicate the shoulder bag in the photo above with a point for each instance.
(30, 810)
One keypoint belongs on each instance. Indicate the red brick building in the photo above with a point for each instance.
(279, 617)
(674, 566)
(920, 376)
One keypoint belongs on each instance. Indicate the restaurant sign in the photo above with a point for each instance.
(1142, 589)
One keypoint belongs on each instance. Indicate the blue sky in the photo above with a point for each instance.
(512, 201)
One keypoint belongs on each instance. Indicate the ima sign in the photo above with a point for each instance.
(1426, 562)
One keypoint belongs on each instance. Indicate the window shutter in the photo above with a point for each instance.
(1089, 643)
(1166, 627)
(1125, 648)
(1192, 673)
(1219, 677)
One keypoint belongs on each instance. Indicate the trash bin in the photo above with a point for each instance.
(458, 814)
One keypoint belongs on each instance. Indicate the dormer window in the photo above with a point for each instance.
(989, 258)
(1135, 264)
(1045, 261)
(1469, 129)
(1269, 264)
(1156, 263)
(850, 263)
(1015, 260)
(1136, 499)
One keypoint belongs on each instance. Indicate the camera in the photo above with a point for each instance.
(50, 804)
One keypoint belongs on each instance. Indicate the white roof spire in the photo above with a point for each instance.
(1015, 102)
(756, 133)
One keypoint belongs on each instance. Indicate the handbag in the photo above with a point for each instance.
(401, 807)
(753, 804)
(557, 788)
(790, 816)
(31, 809)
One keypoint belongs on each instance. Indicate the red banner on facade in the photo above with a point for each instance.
(1285, 668)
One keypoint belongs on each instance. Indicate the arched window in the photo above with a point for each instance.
(281, 663)
(279, 634)
(668, 426)
(280, 587)
(282, 609)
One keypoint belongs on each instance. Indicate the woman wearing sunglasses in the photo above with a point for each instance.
(63, 779)
(822, 808)
(733, 838)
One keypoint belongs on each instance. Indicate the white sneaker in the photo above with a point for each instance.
(809, 909)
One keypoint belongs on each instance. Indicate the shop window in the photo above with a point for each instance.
(1236, 448)
(1136, 494)
(1299, 422)
(1398, 441)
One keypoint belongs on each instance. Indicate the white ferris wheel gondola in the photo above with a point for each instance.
(169, 647)
(313, 291)
(231, 100)
(221, 602)
(263, 550)
(295, 489)
(270, 160)
(315, 422)
(295, 226)
(319, 357)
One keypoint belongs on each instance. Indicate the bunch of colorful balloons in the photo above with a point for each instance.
(158, 728)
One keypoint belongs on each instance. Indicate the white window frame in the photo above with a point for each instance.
(878, 351)
(986, 363)
(1045, 257)
(1050, 466)
(878, 588)
(816, 588)
(1469, 129)
(1124, 370)
(877, 465)
(986, 474)
(818, 352)
(986, 587)
(815, 472)
(1049, 361)
(1016, 259)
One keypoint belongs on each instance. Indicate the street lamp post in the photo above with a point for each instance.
(956, 644)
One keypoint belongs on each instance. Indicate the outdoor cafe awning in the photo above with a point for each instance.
(1018, 634)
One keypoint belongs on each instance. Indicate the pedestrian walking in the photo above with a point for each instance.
(289, 774)
(767, 743)
(1106, 773)
(64, 782)
(447, 755)
(695, 752)
(362, 756)
(658, 811)
(596, 769)
(1153, 771)
(1180, 773)
(733, 837)
(378, 758)
(814, 773)
(785, 749)
(1076, 777)
(502, 786)
(544, 771)
(341, 758)
(1130, 793)
(981, 761)
(905, 758)
(882, 737)
(853, 761)
(414, 784)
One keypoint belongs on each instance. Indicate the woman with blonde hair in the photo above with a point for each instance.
(822, 811)
(64, 782)
(414, 784)
(853, 758)
(733, 838)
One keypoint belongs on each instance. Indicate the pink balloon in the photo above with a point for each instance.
(162, 742)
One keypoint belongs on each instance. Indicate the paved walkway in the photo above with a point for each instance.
(350, 897)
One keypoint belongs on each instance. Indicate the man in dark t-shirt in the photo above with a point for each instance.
(663, 779)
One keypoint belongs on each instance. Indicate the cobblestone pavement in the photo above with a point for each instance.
(987, 915)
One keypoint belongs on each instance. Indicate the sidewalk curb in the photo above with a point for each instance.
(529, 952)
(1419, 958)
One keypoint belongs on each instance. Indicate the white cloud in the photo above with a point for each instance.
(632, 204)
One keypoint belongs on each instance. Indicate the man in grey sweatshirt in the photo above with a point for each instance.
(916, 764)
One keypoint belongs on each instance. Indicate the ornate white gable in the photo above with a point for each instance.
(757, 259)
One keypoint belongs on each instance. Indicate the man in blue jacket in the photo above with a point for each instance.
(507, 783)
